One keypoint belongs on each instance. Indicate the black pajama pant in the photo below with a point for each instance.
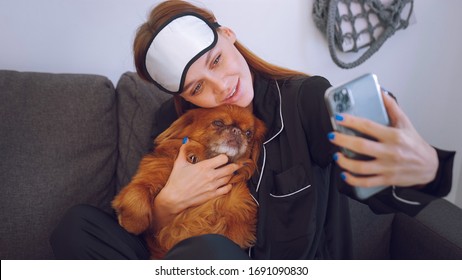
(86, 232)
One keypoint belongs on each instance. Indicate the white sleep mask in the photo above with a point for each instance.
(175, 47)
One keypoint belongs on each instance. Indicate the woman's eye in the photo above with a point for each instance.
(215, 62)
(197, 89)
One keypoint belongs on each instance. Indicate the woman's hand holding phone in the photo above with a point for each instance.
(401, 157)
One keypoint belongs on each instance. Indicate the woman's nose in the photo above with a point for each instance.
(221, 86)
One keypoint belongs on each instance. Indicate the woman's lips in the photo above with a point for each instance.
(234, 95)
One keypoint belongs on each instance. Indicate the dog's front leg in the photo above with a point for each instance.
(133, 206)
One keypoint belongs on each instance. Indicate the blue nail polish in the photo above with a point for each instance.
(343, 176)
(331, 136)
(185, 140)
(338, 117)
(335, 157)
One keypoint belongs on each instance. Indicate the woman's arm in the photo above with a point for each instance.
(407, 162)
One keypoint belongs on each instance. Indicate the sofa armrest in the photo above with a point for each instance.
(434, 233)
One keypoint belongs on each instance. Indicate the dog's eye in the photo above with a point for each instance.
(193, 158)
(248, 133)
(218, 123)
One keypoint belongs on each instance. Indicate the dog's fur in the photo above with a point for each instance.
(226, 129)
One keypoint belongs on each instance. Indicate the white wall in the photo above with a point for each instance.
(421, 64)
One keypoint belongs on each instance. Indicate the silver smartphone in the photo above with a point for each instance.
(360, 97)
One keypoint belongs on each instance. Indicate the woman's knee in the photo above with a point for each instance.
(83, 212)
(71, 232)
(73, 220)
(86, 232)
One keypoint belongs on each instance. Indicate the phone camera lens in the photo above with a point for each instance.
(340, 108)
(345, 98)
(337, 96)
(342, 100)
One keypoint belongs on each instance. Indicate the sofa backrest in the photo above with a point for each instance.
(137, 102)
(58, 147)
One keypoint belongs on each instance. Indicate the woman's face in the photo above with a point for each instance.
(220, 76)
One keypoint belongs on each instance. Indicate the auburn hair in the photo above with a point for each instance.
(168, 9)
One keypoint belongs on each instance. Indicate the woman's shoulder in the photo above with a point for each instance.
(302, 84)
(316, 81)
(305, 88)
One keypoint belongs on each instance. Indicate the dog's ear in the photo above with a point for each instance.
(258, 137)
(178, 129)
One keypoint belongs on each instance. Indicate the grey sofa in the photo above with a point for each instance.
(67, 139)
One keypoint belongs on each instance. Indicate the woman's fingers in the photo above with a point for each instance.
(213, 168)
(364, 173)
(378, 131)
(214, 162)
(365, 181)
(356, 144)
(397, 117)
(218, 183)
(226, 170)
(360, 167)
(223, 190)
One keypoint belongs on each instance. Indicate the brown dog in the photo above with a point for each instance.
(229, 130)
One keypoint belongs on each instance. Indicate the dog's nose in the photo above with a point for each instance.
(236, 131)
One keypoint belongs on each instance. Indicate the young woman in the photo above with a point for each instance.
(184, 51)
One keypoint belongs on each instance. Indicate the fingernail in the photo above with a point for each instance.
(343, 176)
(185, 140)
(338, 117)
(331, 136)
(335, 157)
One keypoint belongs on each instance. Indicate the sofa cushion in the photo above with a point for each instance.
(58, 145)
(433, 234)
(137, 102)
(371, 232)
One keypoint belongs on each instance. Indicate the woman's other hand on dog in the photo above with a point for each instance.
(192, 184)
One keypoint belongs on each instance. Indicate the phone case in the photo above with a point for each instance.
(360, 97)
